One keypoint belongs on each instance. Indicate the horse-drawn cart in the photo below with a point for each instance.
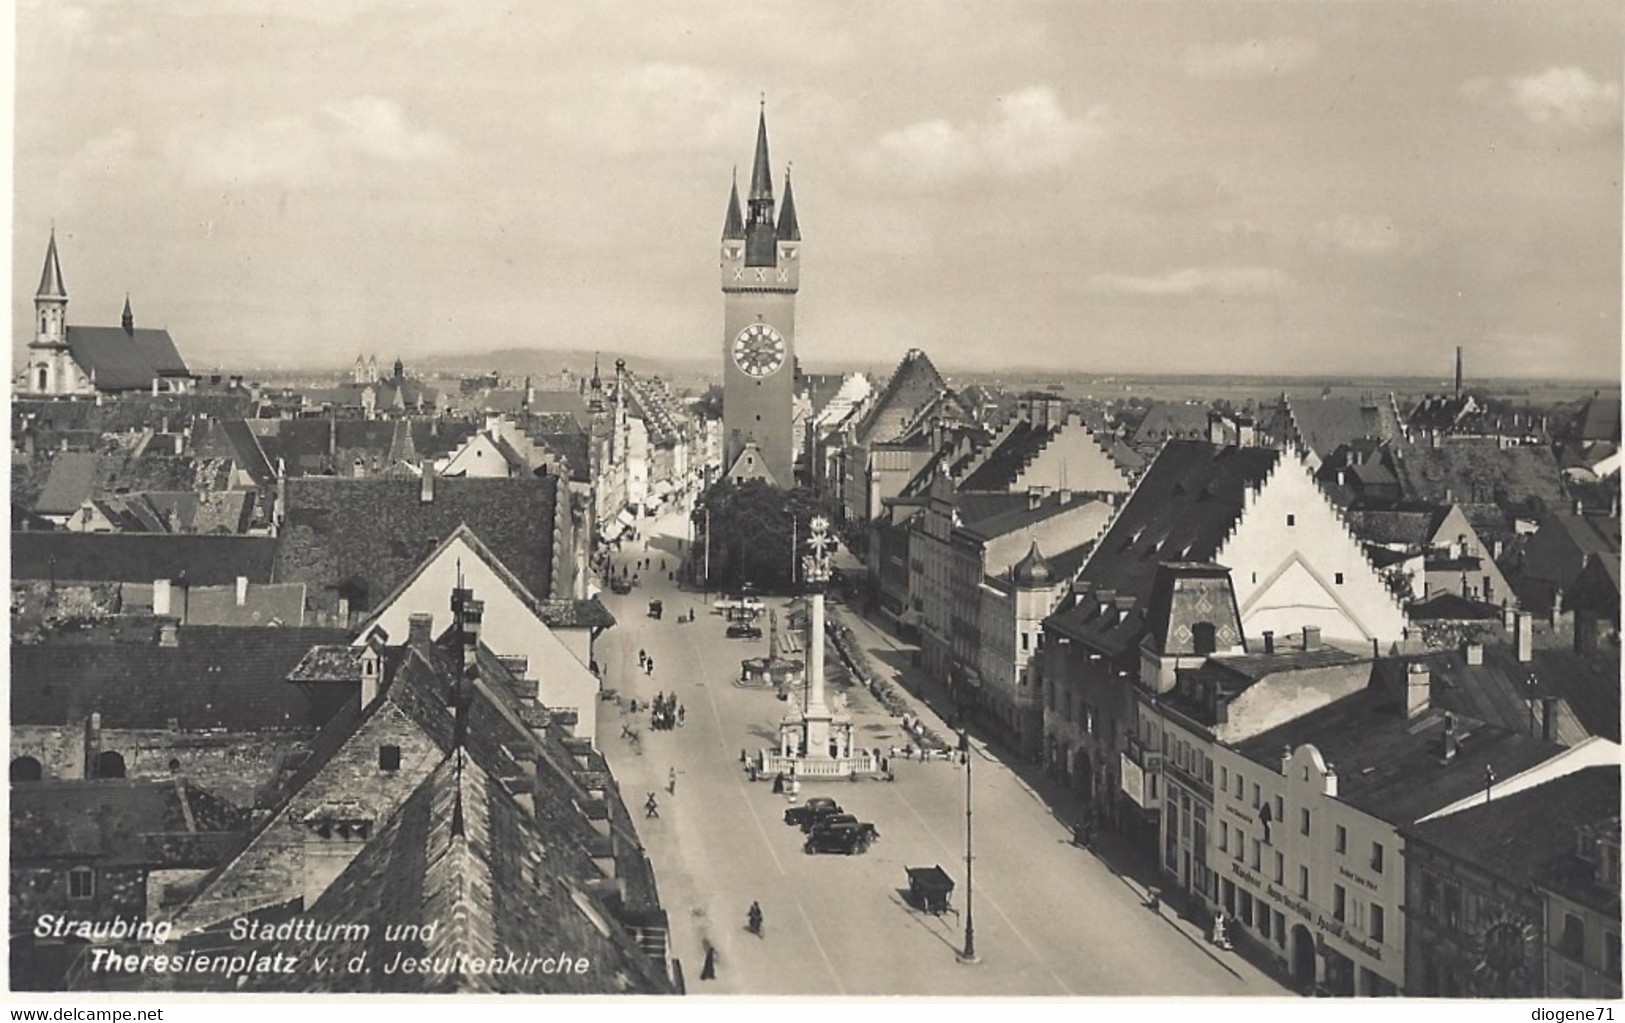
(930, 888)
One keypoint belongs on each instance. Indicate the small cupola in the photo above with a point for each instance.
(1033, 571)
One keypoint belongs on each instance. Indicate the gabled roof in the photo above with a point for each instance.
(1019, 514)
(1015, 450)
(1169, 419)
(1499, 689)
(462, 854)
(71, 482)
(914, 383)
(1413, 525)
(1323, 425)
(216, 677)
(120, 361)
(202, 559)
(119, 823)
(1481, 471)
(232, 438)
(1600, 419)
(1514, 837)
(373, 533)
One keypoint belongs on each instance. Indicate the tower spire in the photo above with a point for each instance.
(761, 175)
(128, 319)
(733, 226)
(789, 229)
(50, 281)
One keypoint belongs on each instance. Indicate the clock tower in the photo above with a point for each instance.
(761, 263)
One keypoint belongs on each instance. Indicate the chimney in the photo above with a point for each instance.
(1523, 636)
(161, 597)
(1286, 757)
(242, 590)
(1246, 432)
(1509, 617)
(1107, 599)
(1451, 744)
(1269, 641)
(419, 628)
(1458, 371)
(1330, 779)
(169, 634)
(372, 671)
(1474, 653)
(1215, 428)
(344, 611)
(1064, 494)
(426, 495)
(1311, 637)
(1035, 497)
(1418, 688)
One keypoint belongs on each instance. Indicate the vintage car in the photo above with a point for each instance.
(818, 805)
(656, 609)
(845, 820)
(819, 815)
(744, 630)
(620, 585)
(846, 838)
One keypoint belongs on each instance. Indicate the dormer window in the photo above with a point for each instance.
(1292, 520)
(81, 883)
(389, 758)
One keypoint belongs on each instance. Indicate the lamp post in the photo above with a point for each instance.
(706, 586)
(969, 955)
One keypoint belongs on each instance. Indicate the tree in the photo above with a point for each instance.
(752, 527)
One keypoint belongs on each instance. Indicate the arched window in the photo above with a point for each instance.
(24, 769)
(1204, 636)
(44, 376)
(110, 765)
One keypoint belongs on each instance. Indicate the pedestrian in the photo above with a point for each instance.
(671, 781)
(742, 757)
(709, 970)
(642, 656)
(679, 715)
(649, 667)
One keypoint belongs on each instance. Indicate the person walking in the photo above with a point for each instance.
(679, 715)
(753, 919)
(671, 781)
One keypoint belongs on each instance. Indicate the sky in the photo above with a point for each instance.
(1098, 187)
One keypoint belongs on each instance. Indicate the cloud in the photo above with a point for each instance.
(1566, 95)
(298, 149)
(1253, 58)
(1236, 280)
(1560, 97)
(1368, 235)
(1029, 133)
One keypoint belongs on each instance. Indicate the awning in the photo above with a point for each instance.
(627, 519)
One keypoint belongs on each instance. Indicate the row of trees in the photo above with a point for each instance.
(757, 533)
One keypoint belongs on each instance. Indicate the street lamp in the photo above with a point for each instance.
(969, 955)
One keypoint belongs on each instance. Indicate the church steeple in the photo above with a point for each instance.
(759, 250)
(50, 281)
(733, 227)
(761, 175)
(128, 319)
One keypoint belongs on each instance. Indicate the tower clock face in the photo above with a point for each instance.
(758, 350)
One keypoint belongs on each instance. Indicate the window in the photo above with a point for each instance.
(1280, 928)
(1337, 577)
(1224, 837)
(81, 883)
(1224, 779)
(1258, 853)
(1303, 821)
(1303, 882)
(1340, 902)
(1240, 785)
(1573, 942)
(1241, 843)
(1264, 923)
(1280, 868)
(1257, 796)
(1204, 638)
(1280, 809)
(1024, 640)
(1341, 839)
(1376, 856)
(1292, 520)
(1376, 922)
(389, 758)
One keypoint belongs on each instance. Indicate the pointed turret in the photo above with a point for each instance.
(789, 229)
(128, 319)
(761, 174)
(733, 226)
(50, 281)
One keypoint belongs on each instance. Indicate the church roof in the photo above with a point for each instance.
(125, 361)
(50, 281)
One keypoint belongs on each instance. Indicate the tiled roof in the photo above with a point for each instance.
(1181, 510)
(1499, 690)
(72, 480)
(1415, 525)
(1393, 767)
(334, 662)
(1446, 606)
(575, 614)
(217, 511)
(167, 824)
(122, 361)
(131, 473)
(1600, 419)
(215, 677)
(1481, 471)
(1167, 419)
(1325, 424)
(367, 535)
(460, 853)
(1006, 461)
(231, 438)
(263, 604)
(914, 383)
(1015, 519)
(1516, 836)
(201, 559)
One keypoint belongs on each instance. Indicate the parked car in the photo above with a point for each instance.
(822, 805)
(744, 630)
(819, 816)
(656, 608)
(845, 838)
(619, 585)
(845, 820)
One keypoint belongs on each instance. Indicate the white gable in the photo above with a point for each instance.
(509, 627)
(1294, 563)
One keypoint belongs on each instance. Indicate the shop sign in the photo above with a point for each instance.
(1133, 780)
(1350, 875)
(1336, 929)
(1240, 815)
